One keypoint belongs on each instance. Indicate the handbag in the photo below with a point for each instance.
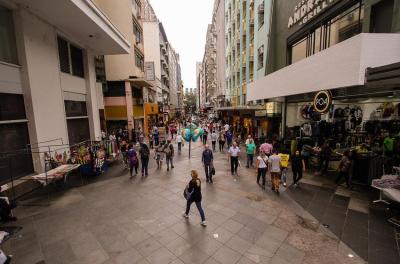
(186, 193)
(212, 169)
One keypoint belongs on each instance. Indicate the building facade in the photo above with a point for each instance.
(218, 21)
(247, 28)
(125, 74)
(48, 89)
(331, 46)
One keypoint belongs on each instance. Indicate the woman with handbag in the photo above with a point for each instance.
(192, 194)
(262, 167)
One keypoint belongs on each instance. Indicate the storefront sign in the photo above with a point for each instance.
(149, 70)
(260, 113)
(273, 108)
(322, 101)
(306, 10)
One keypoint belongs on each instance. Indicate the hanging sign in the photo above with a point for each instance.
(322, 101)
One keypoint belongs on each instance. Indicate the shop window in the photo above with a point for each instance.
(12, 107)
(14, 158)
(335, 30)
(78, 130)
(381, 17)
(70, 57)
(8, 50)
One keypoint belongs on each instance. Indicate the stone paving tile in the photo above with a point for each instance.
(225, 255)
(83, 225)
(194, 256)
(233, 226)
(148, 246)
(161, 256)
(238, 244)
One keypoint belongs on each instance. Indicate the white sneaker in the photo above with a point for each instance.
(203, 223)
(185, 215)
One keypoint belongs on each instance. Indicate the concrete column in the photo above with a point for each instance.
(91, 97)
(44, 103)
(129, 107)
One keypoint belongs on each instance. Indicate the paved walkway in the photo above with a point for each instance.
(117, 220)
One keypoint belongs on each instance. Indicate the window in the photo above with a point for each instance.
(115, 89)
(335, 30)
(260, 15)
(260, 57)
(100, 68)
(381, 17)
(14, 137)
(137, 5)
(77, 121)
(8, 50)
(139, 60)
(138, 33)
(71, 58)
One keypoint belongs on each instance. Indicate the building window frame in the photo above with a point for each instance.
(139, 60)
(71, 58)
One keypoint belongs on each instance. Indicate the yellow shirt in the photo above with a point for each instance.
(284, 160)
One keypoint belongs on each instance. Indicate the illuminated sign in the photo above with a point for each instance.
(322, 101)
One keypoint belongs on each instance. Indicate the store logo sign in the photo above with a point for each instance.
(306, 10)
(322, 101)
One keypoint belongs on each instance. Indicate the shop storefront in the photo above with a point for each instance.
(339, 79)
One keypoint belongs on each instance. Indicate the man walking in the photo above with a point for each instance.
(179, 140)
(284, 166)
(234, 157)
(262, 167)
(250, 150)
(207, 159)
(229, 138)
(221, 140)
(275, 168)
(169, 154)
(214, 138)
(144, 152)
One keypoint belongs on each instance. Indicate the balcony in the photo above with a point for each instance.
(342, 65)
(89, 25)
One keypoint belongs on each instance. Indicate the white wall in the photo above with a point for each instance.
(342, 65)
(72, 83)
(10, 79)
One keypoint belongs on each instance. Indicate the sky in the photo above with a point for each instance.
(185, 22)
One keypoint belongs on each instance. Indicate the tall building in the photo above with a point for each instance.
(164, 61)
(125, 76)
(247, 27)
(213, 64)
(218, 21)
(200, 84)
(49, 94)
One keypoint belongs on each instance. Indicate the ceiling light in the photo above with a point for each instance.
(350, 255)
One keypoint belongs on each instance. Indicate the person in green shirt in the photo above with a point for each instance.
(250, 150)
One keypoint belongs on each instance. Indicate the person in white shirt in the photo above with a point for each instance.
(275, 168)
(214, 138)
(179, 140)
(234, 157)
(262, 167)
(226, 127)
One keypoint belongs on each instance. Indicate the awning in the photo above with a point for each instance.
(238, 108)
(82, 20)
(140, 82)
(342, 65)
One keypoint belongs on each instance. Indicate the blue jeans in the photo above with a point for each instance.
(283, 174)
(250, 160)
(198, 205)
(169, 160)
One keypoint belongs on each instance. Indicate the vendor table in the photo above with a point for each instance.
(388, 185)
(55, 174)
